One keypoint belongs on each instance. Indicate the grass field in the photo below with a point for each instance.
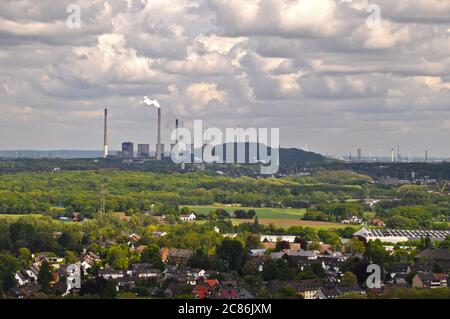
(17, 216)
(280, 217)
(262, 213)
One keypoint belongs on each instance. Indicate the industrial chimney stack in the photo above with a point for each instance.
(105, 135)
(158, 146)
(176, 129)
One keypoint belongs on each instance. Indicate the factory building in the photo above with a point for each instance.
(399, 236)
(143, 150)
(127, 150)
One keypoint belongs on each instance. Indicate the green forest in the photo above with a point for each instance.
(329, 196)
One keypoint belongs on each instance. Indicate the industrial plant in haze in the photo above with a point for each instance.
(395, 157)
(143, 150)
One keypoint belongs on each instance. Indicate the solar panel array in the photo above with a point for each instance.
(410, 234)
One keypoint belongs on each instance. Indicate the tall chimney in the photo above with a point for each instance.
(176, 129)
(105, 135)
(158, 146)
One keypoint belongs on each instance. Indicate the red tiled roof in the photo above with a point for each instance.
(212, 282)
(201, 291)
(440, 276)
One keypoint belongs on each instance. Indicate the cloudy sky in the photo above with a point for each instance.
(313, 68)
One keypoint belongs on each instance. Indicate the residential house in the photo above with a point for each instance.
(33, 271)
(54, 260)
(400, 268)
(164, 252)
(133, 240)
(76, 217)
(308, 288)
(327, 293)
(298, 255)
(126, 283)
(110, 273)
(201, 292)
(143, 270)
(257, 252)
(422, 267)
(186, 218)
(185, 275)
(179, 256)
(257, 258)
(276, 238)
(354, 220)
(439, 256)
(326, 249)
(88, 260)
(443, 279)
(159, 234)
(277, 255)
(426, 280)
(399, 272)
(22, 278)
(377, 222)
(332, 292)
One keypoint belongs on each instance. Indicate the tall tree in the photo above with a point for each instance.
(8, 266)
(349, 279)
(45, 276)
(231, 252)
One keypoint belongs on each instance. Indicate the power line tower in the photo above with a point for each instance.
(102, 199)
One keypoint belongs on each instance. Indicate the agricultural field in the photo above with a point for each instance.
(262, 213)
(286, 223)
(15, 217)
(280, 217)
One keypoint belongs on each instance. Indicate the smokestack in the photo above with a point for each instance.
(156, 104)
(105, 135)
(158, 146)
(392, 155)
(176, 129)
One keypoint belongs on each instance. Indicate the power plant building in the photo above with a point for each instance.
(143, 150)
(127, 150)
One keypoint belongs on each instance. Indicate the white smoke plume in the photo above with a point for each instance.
(149, 102)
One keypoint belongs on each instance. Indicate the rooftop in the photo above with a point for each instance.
(431, 253)
(372, 234)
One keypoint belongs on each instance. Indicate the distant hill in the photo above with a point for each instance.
(294, 155)
(287, 155)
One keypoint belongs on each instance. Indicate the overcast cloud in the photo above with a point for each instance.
(313, 68)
